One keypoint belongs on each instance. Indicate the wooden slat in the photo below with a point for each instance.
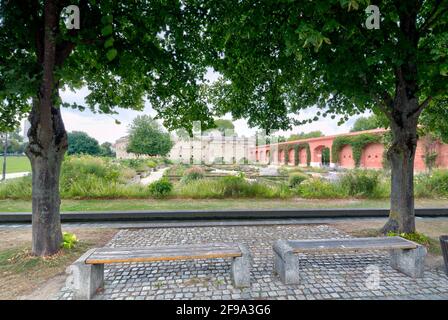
(381, 243)
(165, 253)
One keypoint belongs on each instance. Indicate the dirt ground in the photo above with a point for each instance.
(31, 278)
(432, 228)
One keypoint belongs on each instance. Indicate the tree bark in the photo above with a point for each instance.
(403, 113)
(401, 156)
(46, 147)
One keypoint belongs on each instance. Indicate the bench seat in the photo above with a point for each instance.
(406, 256)
(381, 243)
(87, 273)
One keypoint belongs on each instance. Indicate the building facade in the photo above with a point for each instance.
(207, 149)
(310, 151)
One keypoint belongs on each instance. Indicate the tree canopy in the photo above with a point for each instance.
(366, 123)
(106, 150)
(224, 125)
(146, 137)
(124, 53)
(307, 135)
(278, 58)
(81, 143)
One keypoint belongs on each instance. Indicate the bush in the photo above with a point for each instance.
(431, 185)
(296, 178)
(161, 188)
(230, 187)
(193, 173)
(316, 188)
(19, 188)
(360, 183)
(151, 164)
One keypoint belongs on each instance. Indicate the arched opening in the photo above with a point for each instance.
(268, 156)
(325, 157)
(321, 156)
(256, 156)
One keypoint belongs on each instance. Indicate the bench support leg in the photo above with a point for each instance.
(409, 261)
(85, 279)
(240, 272)
(286, 263)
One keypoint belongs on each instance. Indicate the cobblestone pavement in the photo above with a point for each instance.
(324, 276)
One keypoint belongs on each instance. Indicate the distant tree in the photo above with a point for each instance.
(146, 137)
(303, 135)
(81, 143)
(223, 125)
(367, 123)
(15, 142)
(106, 150)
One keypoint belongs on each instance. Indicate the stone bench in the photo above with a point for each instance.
(87, 273)
(406, 256)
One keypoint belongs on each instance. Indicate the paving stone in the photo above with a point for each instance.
(323, 276)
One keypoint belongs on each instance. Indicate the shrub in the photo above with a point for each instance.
(360, 183)
(316, 188)
(231, 186)
(151, 164)
(193, 173)
(19, 188)
(430, 185)
(160, 188)
(296, 178)
(69, 240)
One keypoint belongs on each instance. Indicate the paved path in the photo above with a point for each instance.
(154, 176)
(324, 276)
(16, 175)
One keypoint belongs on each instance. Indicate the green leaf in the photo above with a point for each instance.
(111, 54)
(107, 19)
(107, 30)
(109, 42)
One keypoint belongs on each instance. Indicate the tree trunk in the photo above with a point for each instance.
(401, 156)
(46, 147)
(46, 160)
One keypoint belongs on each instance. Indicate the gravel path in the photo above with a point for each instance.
(154, 176)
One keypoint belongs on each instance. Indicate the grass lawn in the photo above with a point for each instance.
(211, 204)
(25, 276)
(16, 164)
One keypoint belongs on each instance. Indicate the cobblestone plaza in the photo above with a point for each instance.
(323, 276)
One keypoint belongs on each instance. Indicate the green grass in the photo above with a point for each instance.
(211, 204)
(16, 164)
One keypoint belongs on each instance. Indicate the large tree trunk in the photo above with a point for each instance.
(403, 114)
(46, 147)
(401, 156)
(46, 159)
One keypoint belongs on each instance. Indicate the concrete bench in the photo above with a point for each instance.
(87, 273)
(406, 256)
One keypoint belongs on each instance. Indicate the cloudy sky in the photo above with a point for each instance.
(104, 128)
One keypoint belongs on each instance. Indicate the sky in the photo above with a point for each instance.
(105, 129)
